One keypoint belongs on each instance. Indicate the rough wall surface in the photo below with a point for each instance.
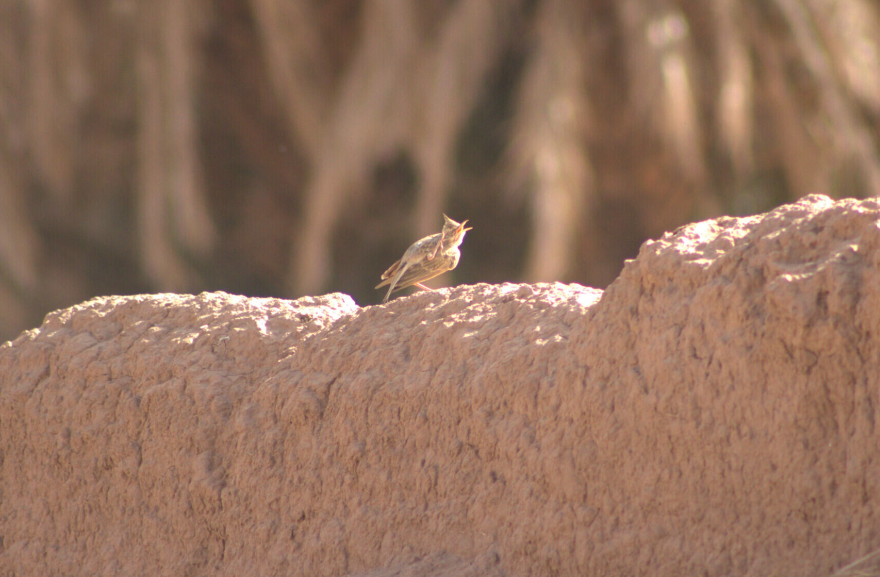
(712, 413)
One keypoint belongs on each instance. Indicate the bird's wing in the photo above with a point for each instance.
(414, 249)
(426, 270)
(389, 274)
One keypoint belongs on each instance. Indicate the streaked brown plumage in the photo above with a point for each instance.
(426, 258)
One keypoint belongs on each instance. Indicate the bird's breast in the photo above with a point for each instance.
(453, 256)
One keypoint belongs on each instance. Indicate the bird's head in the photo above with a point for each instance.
(453, 232)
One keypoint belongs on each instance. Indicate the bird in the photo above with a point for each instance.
(426, 258)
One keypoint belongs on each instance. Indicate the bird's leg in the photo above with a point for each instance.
(421, 286)
(439, 244)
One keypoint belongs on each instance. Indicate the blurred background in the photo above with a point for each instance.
(293, 147)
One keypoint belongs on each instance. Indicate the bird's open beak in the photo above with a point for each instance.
(462, 228)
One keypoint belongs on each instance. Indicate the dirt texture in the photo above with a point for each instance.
(711, 413)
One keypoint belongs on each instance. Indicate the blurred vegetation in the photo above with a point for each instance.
(290, 147)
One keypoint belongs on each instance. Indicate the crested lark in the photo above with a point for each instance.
(426, 258)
